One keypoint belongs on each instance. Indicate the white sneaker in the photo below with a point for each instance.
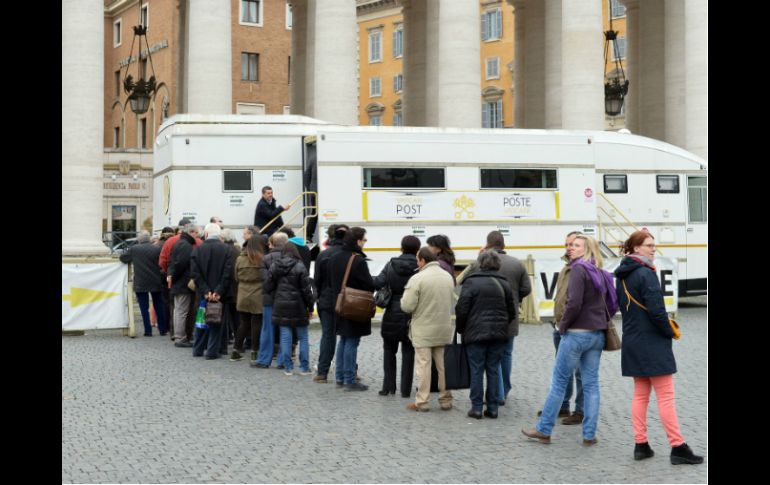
(303, 373)
(288, 373)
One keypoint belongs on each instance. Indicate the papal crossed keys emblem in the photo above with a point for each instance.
(464, 204)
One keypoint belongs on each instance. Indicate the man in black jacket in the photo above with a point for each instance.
(267, 209)
(147, 281)
(326, 300)
(211, 266)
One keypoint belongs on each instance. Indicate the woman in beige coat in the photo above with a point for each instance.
(250, 273)
(428, 297)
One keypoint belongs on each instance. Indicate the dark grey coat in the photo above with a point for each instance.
(359, 278)
(147, 276)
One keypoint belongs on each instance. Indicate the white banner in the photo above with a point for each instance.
(547, 272)
(488, 205)
(94, 296)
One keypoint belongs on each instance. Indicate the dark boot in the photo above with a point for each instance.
(642, 451)
(682, 454)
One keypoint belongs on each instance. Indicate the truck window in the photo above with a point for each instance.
(668, 184)
(615, 184)
(517, 178)
(404, 178)
(236, 180)
(697, 198)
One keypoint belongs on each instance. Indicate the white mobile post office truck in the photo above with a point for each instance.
(534, 186)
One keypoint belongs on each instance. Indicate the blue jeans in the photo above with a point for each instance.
(578, 382)
(504, 369)
(266, 337)
(347, 352)
(304, 348)
(582, 349)
(485, 356)
(328, 341)
(143, 298)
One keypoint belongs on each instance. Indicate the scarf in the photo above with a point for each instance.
(602, 281)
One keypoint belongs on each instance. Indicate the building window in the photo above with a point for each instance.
(404, 178)
(398, 82)
(398, 42)
(116, 137)
(251, 12)
(697, 194)
(236, 181)
(143, 132)
(289, 16)
(517, 178)
(620, 42)
(618, 9)
(288, 76)
(492, 25)
(615, 184)
(492, 114)
(287, 110)
(375, 121)
(398, 119)
(117, 83)
(375, 47)
(667, 184)
(249, 66)
(493, 68)
(144, 15)
(143, 69)
(117, 34)
(375, 87)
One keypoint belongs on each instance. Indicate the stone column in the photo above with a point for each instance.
(675, 78)
(415, 38)
(534, 65)
(298, 55)
(519, 53)
(334, 84)
(582, 70)
(696, 13)
(652, 85)
(553, 99)
(82, 121)
(458, 69)
(209, 67)
(631, 66)
(432, 57)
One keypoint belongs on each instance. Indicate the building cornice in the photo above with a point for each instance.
(118, 6)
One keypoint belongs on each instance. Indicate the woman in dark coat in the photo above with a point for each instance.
(292, 305)
(484, 312)
(395, 323)
(350, 331)
(646, 353)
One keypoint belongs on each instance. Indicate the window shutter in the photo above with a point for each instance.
(499, 23)
(484, 26)
(485, 115)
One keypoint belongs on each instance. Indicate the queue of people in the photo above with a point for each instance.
(268, 285)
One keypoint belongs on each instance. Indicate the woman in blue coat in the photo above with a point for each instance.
(646, 353)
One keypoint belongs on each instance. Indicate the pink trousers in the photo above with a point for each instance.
(664, 390)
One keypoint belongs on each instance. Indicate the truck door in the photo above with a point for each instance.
(310, 184)
(697, 235)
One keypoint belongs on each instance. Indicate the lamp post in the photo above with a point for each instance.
(140, 92)
(616, 88)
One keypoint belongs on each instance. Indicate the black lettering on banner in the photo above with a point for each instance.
(549, 291)
(665, 282)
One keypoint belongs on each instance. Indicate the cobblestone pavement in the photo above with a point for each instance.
(141, 410)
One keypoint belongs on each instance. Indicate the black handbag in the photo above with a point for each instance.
(214, 312)
(457, 369)
(383, 295)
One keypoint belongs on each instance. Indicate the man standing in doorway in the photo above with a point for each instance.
(267, 209)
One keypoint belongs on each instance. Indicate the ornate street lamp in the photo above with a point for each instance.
(140, 92)
(616, 87)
